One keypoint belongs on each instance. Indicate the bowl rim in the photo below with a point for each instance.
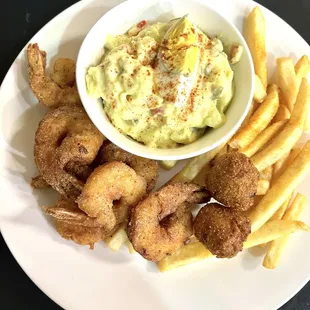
(151, 154)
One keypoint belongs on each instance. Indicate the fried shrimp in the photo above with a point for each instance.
(146, 168)
(201, 196)
(66, 138)
(162, 223)
(64, 72)
(80, 234)
(110, 191)
(81, 172)
(38, 182)
(73, 224)
(48, 92)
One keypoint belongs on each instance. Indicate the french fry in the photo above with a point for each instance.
(274, 230)
(302, 67)
(230, 149)
(272, 87)
(266, 174)
(190, 253)
(131, 250)
(167, 164)
(277, 246)
(281, 165)
(263, 138)
(287, 80)
(258, 122)
(194, 166)
(279, 168)
(281, 98)
(293, 154)
(307, 125)
(256, 105)
(281, 189)
(262, 188)
(291, 133)
(196, 251)
(259, 90)
(222, 151)
(255, 37)
(295, 211)
(193, 238)
(283, 113)
(278, 215)
(116, 241)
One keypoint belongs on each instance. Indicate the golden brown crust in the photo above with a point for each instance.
(39, 183)
(64, 72)
(232, 179)
(147, 168)
(222, 230)
(65, 136)
(199, 196)
(48, 92)
(73, 224)
(110, 191)
(162, 223)
(80, 234)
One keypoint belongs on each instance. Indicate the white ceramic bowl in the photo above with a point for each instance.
(118, 21)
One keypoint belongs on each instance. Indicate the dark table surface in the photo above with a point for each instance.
(20, 20)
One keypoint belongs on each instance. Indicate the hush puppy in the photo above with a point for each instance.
(232, 179)
(222, 230)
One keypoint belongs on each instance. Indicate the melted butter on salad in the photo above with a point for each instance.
(163, 84)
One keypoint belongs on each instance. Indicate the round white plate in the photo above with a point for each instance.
(77, 278)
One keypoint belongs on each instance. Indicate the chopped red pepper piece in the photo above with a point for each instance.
(141, 24)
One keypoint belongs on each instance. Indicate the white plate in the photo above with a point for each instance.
(78, 278)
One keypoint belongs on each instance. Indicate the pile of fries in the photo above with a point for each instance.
(269, 136)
